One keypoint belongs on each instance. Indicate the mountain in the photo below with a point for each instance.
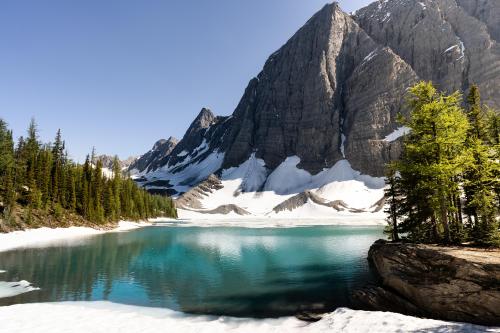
(319, 121)
(154, 158)
(107, 161)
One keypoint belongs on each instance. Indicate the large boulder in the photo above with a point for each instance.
(450, 283)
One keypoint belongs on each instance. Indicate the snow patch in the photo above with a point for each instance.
(108, 173)
(342, 144)
(182, 153)
(183, 176)
(252, 173)
(10, 289)
(134, 173)
(110, 318)
(460, 46)
(387, 17)
(247, 187)
(370, 56)
(287, 178)
(450, 48)
(399, 132)
(61, 236)
(462, 50)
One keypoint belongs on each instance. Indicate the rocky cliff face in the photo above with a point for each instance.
(315, 99)
(156, 157)
(452, 43)
(334, 89)
(455, 284)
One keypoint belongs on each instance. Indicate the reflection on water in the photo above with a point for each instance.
(231, 271)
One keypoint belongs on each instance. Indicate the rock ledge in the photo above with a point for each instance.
(449, 283)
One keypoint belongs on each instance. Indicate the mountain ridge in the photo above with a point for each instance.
(334, 89)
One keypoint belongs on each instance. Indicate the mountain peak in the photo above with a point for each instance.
(203, 121)
(334, 90)
(172, 140)
(205, 117)
(163, 144)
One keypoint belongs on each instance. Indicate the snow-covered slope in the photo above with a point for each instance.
(338, 191)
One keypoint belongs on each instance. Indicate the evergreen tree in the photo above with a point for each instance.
(433, 159)
(393, 202)
(481, 177)
(97, 191)
(40, 176)
(7, 169)
(116, 186)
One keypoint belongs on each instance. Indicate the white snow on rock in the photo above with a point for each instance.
(370, 56)
(9, 289)
(462, 50)
(399, 132)
(387, 17)
(451, 48)
(460, 47)
(250, 187)
(342, 145)
(252, 173)
(108, 173)
(287, 178)
(184, 175)
(108, 317)
(62, 236)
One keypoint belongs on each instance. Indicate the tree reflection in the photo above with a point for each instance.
(232, 271)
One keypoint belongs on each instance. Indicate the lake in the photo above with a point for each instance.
(246, 272)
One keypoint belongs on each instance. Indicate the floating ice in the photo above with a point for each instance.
(9, 289)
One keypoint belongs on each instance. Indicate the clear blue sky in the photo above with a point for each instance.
(120, 74)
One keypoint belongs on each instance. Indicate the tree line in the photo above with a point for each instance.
(445, 187)
(40, 177)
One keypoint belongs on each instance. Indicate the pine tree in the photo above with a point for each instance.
(71, 188)
(32, 144)
(97, 192)
(481, 177)
(434, 157)
(393, 202)
(116, 186)
(40, 176)
(32, 148)
(7, 169)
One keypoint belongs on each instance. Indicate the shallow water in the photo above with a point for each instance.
(233, 271)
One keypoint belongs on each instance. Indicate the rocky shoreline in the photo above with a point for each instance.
(448, 283)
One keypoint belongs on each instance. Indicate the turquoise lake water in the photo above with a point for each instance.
(233, 271)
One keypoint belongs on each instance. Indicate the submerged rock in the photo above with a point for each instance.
(450, 283)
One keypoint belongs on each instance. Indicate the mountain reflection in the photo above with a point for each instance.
(232, 271)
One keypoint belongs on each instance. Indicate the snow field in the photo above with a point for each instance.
(108, 318)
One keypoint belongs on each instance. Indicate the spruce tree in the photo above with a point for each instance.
(393, 202)
(434, 157)
(40, 176)
(481, 176)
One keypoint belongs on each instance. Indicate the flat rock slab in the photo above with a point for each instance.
(450, 283)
